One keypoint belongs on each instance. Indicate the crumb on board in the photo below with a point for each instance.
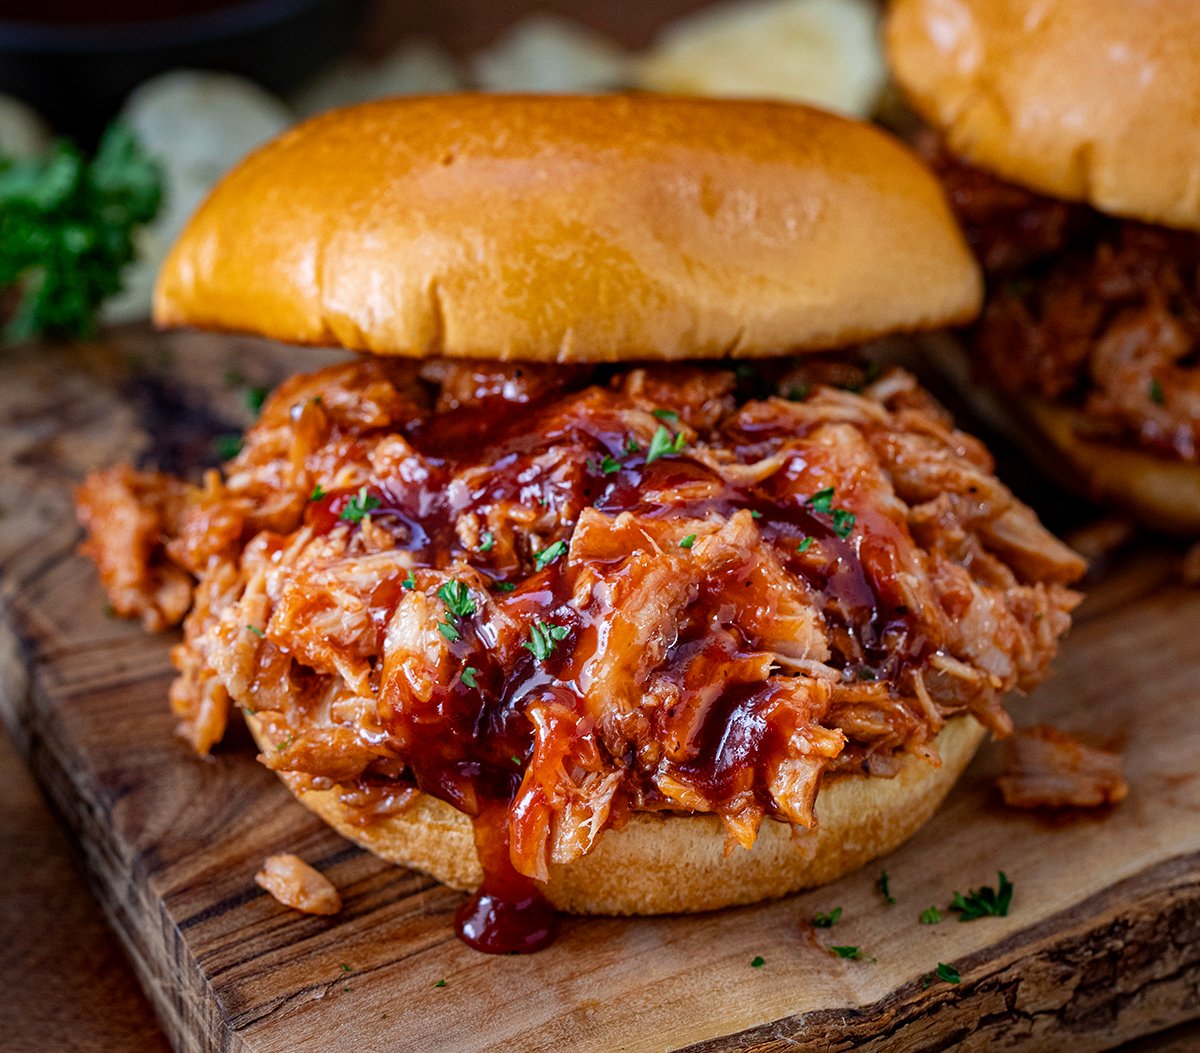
(295, 884)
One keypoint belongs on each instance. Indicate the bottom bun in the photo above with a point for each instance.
(664, 864)
(1159, 492)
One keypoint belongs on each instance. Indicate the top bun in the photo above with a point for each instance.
(1088, 100)
(573, 229)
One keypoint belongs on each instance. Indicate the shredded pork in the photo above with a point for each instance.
(1101, 312)
(586, 593)
(1051, 769)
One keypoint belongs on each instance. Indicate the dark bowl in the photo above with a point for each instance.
(76, 62)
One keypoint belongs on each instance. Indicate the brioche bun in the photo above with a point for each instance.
(573, 229)
(1157, 492)
(1087, 100)
(665, 864)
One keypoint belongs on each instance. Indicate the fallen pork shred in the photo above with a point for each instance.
(585, 593)
(1050, 769)
(295, 884)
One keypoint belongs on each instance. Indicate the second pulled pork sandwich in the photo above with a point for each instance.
(529, 595)
(1067, 133)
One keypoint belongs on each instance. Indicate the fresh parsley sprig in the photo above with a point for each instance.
(663, 443)
(67, 227)
(359, 506)
(543, 638)
(827, 921)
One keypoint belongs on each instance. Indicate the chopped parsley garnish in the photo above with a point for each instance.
(755, 514)
(688, 541)
(827, 921)
(542, 639)
(549, 554)
(1157, 396)
(503, 586)
(227, 447)
(984, 902)
(948, 973)
(663, 443)
(631, 445)
(256, 630)
(255, 397)
(882, 887)
(843, 522)
(468, 676)
(931, 916)
(284, 744)
(798, 392)
(358, 507)
(665, 414)
(410, 582)
(457, 599)
(866, 673)
(610, 465)
(345, 968)
(804, 545)
(448, 631)
(854, 954)
(440, 983)
(317, 493)
(487, 541)
(515, 759)
(757, 962)
(822, 500)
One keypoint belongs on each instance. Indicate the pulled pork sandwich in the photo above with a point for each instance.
(1067, 135)
(532, 598)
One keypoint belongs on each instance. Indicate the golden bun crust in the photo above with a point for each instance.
(1089, 100)
(572, 229)
(659, 864)
(1162, 494)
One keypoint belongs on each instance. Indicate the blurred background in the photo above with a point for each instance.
(199, 83)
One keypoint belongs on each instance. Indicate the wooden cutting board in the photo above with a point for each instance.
(1102, 943)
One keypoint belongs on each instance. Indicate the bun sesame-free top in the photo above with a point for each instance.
(573, 230)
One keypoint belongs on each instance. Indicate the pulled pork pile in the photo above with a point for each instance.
(1100, 312)
(584, 592)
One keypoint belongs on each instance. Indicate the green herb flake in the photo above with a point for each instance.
(410, 582)
(227, 447)
(317, 493)
(503, 586)
(931, 916)
(663, 443)
(984, 902)
(827, 921)
(610, 465)
(867, 673)
(344, 967)
(688, 541)
(883, 888)
(666, 414)
(440, 983)
(804, 545)
(822, 500)
(1156, 393)
(468, 676)
(455, 595)
(542, 639)
(448, 631)
(853, 954)
(487, 541)
(284, 744)
(256, 630)
(631, 445)
(757, 962)
(255, 397)
(515, 759)
(755, 514)
(843, 522)
(548, 555)
(359, 506)
(948, 973)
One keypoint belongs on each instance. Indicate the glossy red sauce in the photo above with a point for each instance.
(470, 746)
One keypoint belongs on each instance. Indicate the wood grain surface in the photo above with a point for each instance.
(1102, 944)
